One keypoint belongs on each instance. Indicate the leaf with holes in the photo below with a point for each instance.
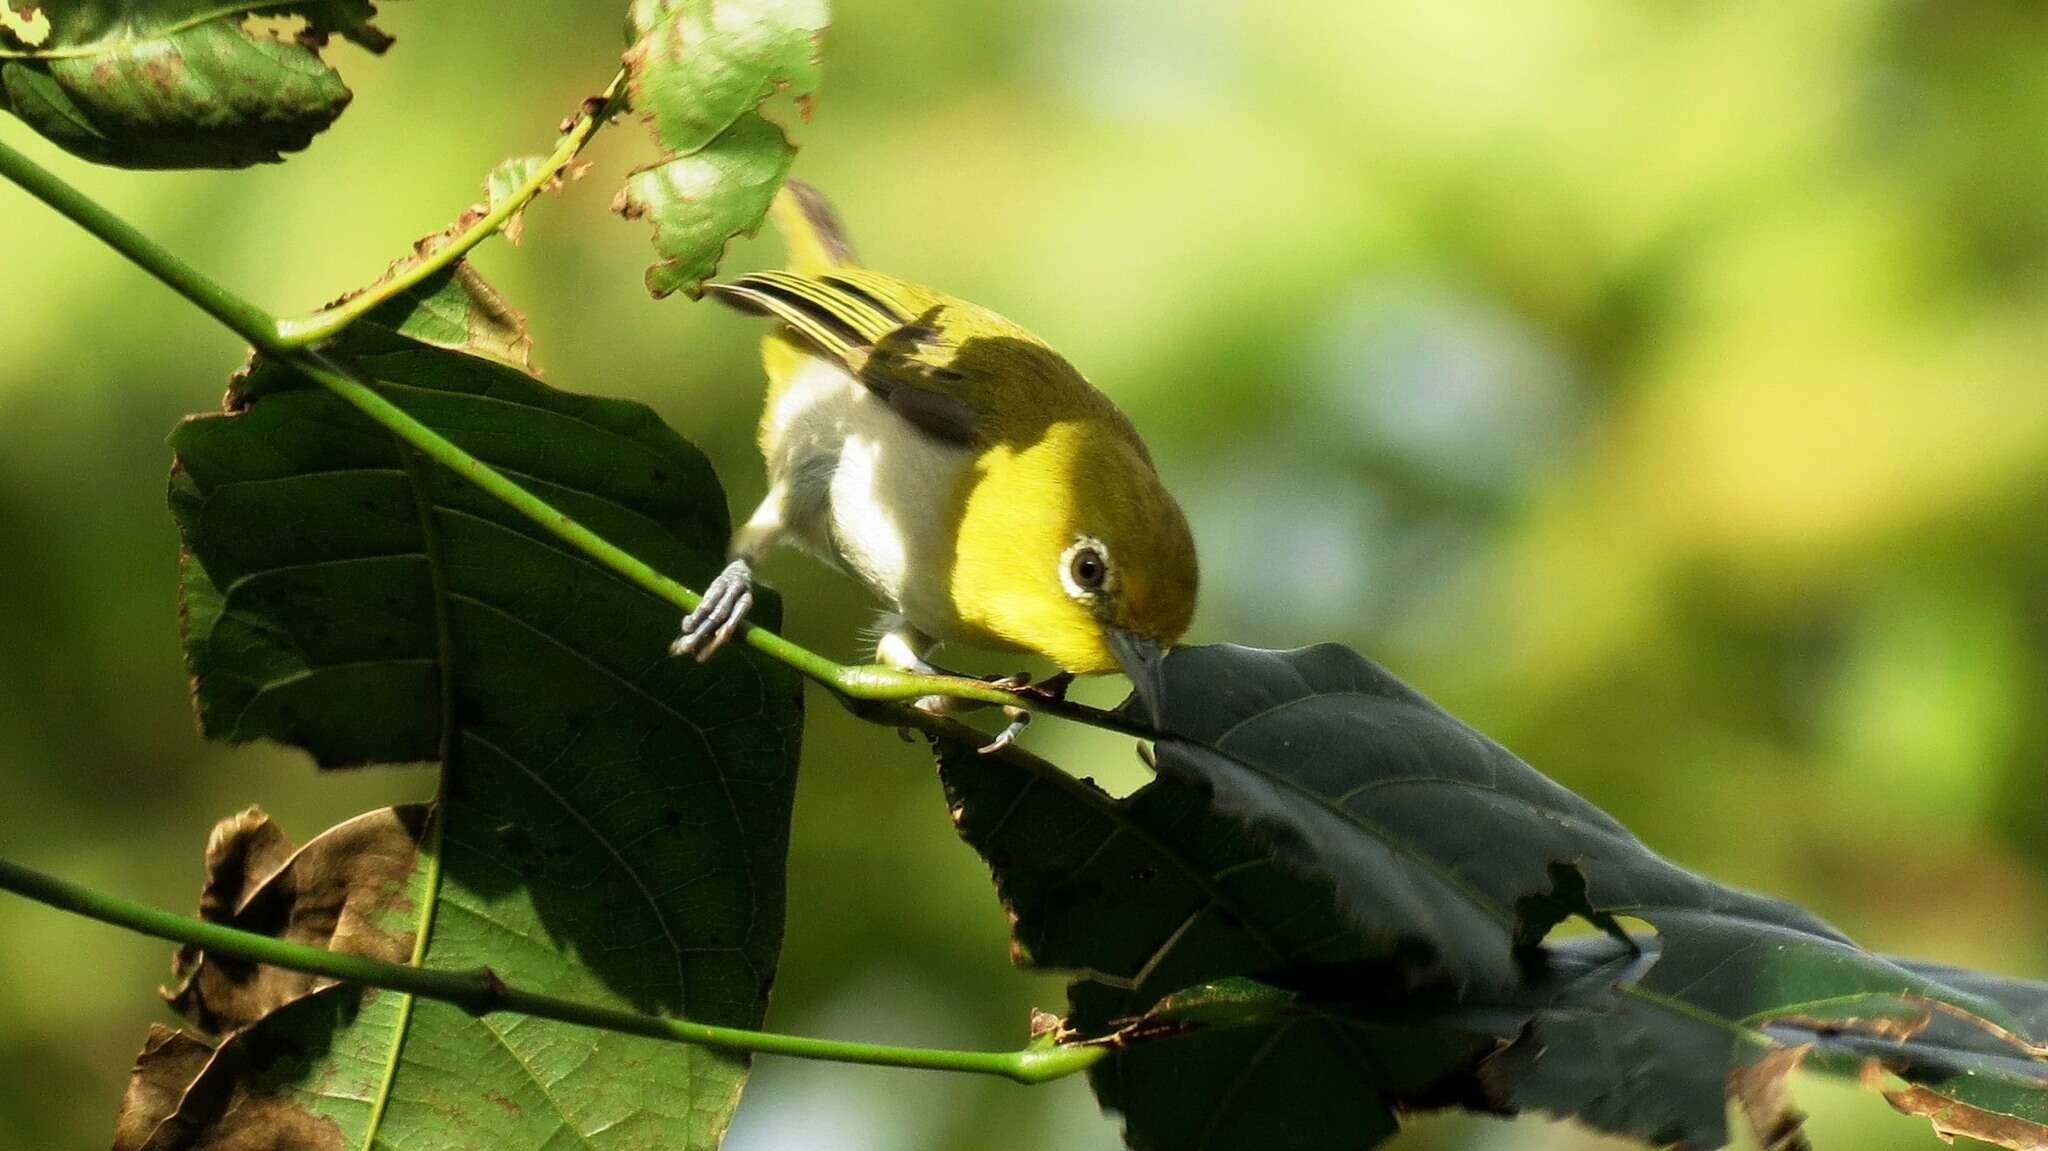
(613, 822)
(699, 70)
(178, 83)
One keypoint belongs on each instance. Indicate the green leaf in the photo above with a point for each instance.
(1146, 896)
(457, 309)
(613, 821)
(506, 179)
(700, 69)
(180, 83)
(700, 201)
(1443, 845)
(699, 65)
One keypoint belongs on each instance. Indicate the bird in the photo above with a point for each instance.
(951, 461)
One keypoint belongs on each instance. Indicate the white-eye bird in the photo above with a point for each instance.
(956, 465)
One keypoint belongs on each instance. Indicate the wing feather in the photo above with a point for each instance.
(856, 326)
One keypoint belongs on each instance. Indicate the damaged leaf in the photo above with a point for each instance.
(699, 70)
(1951, 1119)
(700, 201)
(299, 1053)
(503, 181)
(351, 889)
(28, 25)
(179, 83)
(614, 822)
(1760, 1090)
(454, 308)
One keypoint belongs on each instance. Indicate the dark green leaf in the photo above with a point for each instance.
(180, 83)
(1156, 893)
(1443, 844)
(614, 821)
(699, 69)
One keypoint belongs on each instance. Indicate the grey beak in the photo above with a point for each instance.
(1144, 661)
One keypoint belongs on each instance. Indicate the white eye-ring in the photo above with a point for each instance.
(1084, 568)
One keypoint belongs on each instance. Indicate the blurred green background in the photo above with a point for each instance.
(1659, 385)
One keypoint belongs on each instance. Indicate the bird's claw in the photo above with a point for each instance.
(1053, 687)
(953, 705)
(719, 614)
(1004, 738)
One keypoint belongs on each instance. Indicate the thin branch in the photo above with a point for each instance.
(859, 683)
(242, 317)
(479, 991)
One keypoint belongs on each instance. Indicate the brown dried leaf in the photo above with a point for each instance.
(1760, 1089)
(169, 1062)
(344, 891)
(1951, 1119)
(186, 1096)
(1893, 1027)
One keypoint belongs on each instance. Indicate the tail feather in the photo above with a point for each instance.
(816, 241)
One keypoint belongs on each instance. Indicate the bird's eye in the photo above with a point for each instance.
(1087, 569)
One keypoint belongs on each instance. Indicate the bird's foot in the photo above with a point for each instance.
(1052, 688)
(953, 705)
(720, 613)
(1004, 738)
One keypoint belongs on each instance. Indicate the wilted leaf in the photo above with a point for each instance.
(350, 890)
(1759, 1089)
(302, 1080)
(179, 83)
(699, 69)
(1951, 1119)
(298, 1050)
(614, 821)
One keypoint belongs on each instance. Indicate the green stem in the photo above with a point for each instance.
(321, 326)
(480, 992)
(872, 683)
(244, 318)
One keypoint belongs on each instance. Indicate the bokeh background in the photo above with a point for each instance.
(1662, 386)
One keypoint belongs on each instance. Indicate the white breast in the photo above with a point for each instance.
(868, 490)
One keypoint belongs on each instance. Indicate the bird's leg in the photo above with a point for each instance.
(714, 620)
(903, 647)
(717, 617)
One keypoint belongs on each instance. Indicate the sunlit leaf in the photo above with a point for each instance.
(699, 70)
(179, 83)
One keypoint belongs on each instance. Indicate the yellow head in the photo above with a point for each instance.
(1070, 546)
